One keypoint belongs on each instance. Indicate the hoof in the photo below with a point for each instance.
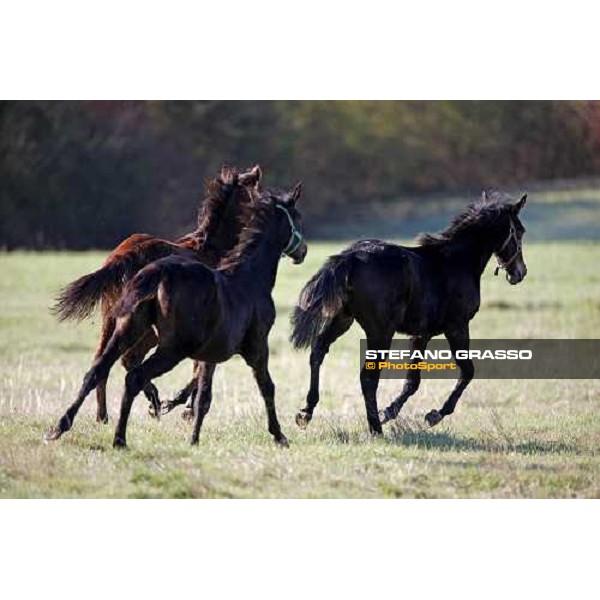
(103, 420)
(303, 418)
(383, 417)
(433, 417)
(154, 412)
(119, 443)
(282, 442)
(166, 407)
(187, 414)
(52, 434)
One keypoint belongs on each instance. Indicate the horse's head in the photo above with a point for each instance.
(250, 179)
(509, 252)
(239, 188)
(289, 223)
(219, 218)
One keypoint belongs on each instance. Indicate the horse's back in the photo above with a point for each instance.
(143, 248)
(393, 287)
(130, 244)
(185, 272)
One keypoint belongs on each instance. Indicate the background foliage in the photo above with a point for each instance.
(87, 174)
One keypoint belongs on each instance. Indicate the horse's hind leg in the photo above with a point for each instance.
(320, 348)
(127, 332)
(458, 341)
(98, 373)
(108, 328)
(411, 384)
(162, 361)
(133, 358)
(203, 396)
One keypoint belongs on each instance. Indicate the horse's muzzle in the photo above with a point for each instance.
(516, 276)
(300, 254)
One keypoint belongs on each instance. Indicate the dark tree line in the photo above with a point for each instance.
(87, 174)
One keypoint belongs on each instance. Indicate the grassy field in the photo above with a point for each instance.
(506, 439)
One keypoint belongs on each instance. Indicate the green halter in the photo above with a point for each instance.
(296, 237)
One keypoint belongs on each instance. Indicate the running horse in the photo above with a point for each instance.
(205, 314)
(422, 291)
(217, 231)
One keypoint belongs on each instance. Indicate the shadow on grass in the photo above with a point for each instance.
(73, 347)
(446, 442)
(525, 306)
(413, 434)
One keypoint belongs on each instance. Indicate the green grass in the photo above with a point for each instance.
(506, 439)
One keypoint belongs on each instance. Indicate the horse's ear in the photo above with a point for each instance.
(520, 204)
(295, 193)
(252, 177)
(229, 175)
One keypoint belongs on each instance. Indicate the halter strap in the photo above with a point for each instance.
(512, 235)
(296, 237)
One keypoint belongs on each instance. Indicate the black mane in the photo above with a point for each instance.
(483, 214)
(254, 219)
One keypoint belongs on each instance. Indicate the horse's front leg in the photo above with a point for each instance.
(369, 382)
(203, 396)
(259, 363)
(411, 383)
(458, 340)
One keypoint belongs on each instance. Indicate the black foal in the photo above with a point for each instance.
(428, 290)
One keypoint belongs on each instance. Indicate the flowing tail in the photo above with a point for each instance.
(322, 298)
(78, 299)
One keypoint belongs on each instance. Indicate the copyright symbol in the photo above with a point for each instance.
(370, 365)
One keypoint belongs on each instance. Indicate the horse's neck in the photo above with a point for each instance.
(260, 268)
(472, 253)
(216, 244)
(220, 233)
(225, 237)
